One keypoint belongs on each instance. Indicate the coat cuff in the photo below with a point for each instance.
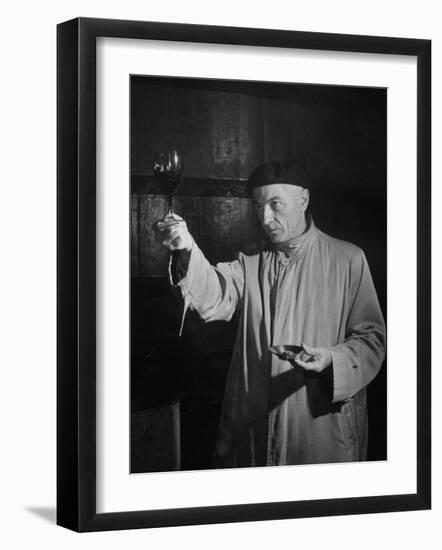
(183, 272)
(178, 266)
(340, 366)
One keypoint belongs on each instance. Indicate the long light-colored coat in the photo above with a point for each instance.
(322, 295)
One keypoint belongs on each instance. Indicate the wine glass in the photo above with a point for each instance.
(168, 172)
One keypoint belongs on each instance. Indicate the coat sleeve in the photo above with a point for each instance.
(213, 292)
(357, 360)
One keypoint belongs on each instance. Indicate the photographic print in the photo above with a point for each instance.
(222, 274)
(258, 274)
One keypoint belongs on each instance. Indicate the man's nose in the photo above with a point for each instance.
(267, 215)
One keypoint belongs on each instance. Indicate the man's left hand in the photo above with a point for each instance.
(313, 359)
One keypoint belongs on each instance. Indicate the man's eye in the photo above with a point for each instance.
(276, 204)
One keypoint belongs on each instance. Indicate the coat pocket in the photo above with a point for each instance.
(346, 419)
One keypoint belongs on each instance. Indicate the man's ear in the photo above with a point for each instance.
(305, 199)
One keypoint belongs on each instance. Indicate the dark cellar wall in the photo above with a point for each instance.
(224, 130)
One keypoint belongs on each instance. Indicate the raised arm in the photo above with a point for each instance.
(214, 292)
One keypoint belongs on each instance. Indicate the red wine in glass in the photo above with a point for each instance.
(168, 172)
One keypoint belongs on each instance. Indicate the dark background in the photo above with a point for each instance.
(225, 129)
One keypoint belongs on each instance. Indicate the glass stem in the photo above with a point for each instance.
(170, 204)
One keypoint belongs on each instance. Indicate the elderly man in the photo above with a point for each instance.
(304, 288)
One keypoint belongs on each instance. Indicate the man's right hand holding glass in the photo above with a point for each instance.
(172, 233)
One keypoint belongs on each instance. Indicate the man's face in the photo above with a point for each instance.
(281, 210)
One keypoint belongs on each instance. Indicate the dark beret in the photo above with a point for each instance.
(277, 172)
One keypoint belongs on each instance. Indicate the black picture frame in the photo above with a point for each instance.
(76, 274)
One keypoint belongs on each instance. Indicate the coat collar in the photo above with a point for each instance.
(295, 247)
